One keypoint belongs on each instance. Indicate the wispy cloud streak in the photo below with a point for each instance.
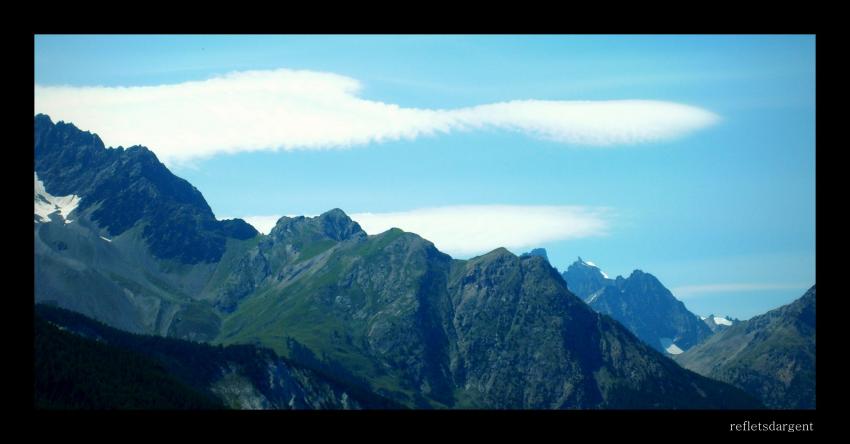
(288, 110)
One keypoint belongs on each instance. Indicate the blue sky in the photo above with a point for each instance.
(722, 212)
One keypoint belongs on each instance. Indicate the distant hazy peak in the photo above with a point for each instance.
(540, 252)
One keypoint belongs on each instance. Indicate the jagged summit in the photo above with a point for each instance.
(120, 189)
(333, 224)
(584, 279)
(42, 119)
(337, 225)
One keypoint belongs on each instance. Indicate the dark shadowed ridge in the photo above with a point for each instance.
(126, 187)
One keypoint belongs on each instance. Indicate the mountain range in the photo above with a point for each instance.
(120, 239)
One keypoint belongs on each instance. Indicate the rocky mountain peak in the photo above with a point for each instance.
(646, 281)
(338, 226)
(331, 225)
(584, 279)
(66, 133)
(500, 253)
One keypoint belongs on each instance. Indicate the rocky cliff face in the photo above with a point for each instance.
(517, 325)
(771, 356)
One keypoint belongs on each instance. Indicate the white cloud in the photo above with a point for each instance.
(467, 230)
(596, 123)
(689, 291)
(286, 109)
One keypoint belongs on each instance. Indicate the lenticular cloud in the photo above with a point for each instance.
(286, 110)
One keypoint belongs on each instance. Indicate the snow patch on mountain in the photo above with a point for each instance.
(722, 321)
(668, 345)
(596, 267)
(47, 204)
